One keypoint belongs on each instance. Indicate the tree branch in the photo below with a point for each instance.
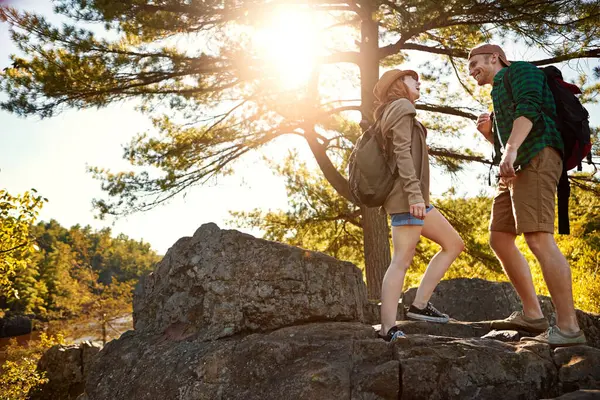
(457, 156)
(446, 110)
(14, 248)
(460, 53)
(339, 183)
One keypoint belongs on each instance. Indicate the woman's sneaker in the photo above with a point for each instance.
(393, 334)
(429, 314)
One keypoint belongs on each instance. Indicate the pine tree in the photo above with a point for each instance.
(222, 100)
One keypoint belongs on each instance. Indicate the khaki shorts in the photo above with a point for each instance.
(526, 204)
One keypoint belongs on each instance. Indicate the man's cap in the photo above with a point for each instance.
(389, 77)
(490, 49)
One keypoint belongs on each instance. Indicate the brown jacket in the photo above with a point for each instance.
(409, 152)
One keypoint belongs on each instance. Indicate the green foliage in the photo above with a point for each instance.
(79, 272)
(16, 244)
(18, 374)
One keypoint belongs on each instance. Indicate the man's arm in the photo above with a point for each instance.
(521, 128)
(527, 83)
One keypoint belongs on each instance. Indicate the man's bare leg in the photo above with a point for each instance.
(557, 275)
(517, 270)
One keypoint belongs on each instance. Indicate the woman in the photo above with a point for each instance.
(408, 203)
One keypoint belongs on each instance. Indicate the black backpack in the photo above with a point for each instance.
(572, 121)
(370, 177)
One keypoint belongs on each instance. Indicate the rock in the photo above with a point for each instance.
(456, 329)
(590, 323)
(228, 316)
(472, 299)
(331, 360)
(446, 368)
(579, 368)
(222, 282)
(503, 336)
(15, 325)
(580, 395)
(480, 300)
(66, 368)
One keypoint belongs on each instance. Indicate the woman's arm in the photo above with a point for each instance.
(402, 139)
(399, 119)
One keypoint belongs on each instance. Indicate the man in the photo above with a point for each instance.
(530, 168)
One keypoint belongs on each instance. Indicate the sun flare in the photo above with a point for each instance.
(288, 41)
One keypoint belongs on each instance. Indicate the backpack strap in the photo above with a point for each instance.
(383, 141)
(497, 147)
(563, 192)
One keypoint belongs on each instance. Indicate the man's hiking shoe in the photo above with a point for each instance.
(556, 338)
(429, 314)
(519, 322)
(393, 334)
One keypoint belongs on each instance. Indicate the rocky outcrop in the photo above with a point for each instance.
(228, 316)
(66, 368)
(219, 283)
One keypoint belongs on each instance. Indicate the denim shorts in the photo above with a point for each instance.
(407, 218)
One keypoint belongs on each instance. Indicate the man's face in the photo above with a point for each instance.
(481, 69)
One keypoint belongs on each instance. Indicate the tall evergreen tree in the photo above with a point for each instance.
(221, 98)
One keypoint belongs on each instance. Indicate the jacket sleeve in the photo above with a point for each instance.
(400, 122)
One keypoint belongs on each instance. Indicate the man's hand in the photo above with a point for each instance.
(507, 170)
(484, 125)
(418, 210)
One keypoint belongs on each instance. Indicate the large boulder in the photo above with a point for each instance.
(66, 368)
(312, 361)
(228, 316)
(334, 360)
(15, 325)
(472, 299)
(222, 282)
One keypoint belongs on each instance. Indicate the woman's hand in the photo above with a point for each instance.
(418, 210)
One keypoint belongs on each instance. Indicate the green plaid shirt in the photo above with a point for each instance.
(531, 95)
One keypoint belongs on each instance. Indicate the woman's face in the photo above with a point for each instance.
(413, 86)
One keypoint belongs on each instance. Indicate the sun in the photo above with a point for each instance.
(289, 42)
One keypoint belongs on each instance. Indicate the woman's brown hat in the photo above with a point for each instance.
(389, 77)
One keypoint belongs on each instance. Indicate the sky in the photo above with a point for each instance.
(52, 156)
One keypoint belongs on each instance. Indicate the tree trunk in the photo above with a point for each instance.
(377, 249)
(375, 226)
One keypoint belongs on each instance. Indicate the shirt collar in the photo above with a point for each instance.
(499, 76)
